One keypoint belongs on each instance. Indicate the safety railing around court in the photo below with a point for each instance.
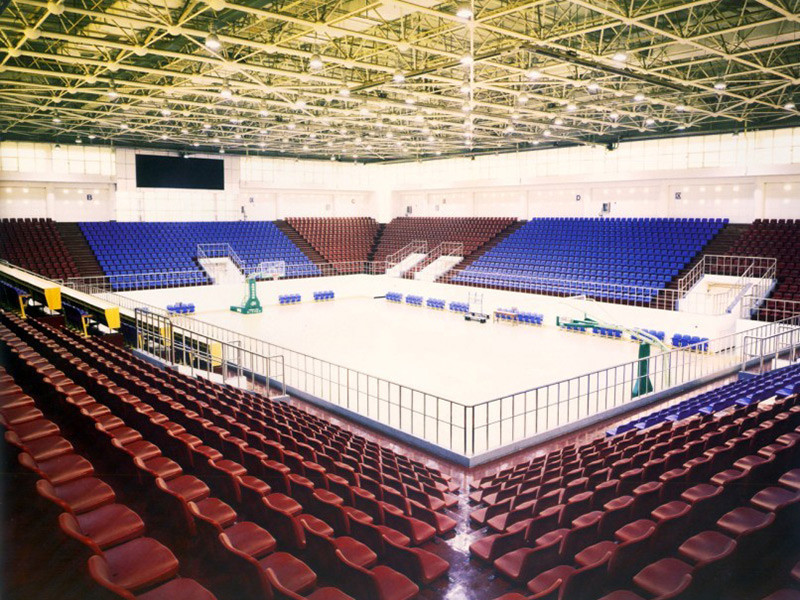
(464, 429)
(475, 429)
(160, 337)
(515, 417)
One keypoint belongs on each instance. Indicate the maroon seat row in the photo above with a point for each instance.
(338, 240)
(36, 245)
(473, 232)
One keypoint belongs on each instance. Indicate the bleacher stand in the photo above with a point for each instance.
(558, 255)
(473, 232)
(339, 240)
(125, 248)
(36, 245)
(779, 239)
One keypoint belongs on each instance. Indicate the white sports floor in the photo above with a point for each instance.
(436, 352)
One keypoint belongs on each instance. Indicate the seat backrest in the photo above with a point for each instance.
(360, 581)
(283, 526)
(280, 592)
(627, 557)
(251, 579)
(99, 572)
(368, 534)
(583, 583)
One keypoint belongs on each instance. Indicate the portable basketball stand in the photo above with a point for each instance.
(475, 312)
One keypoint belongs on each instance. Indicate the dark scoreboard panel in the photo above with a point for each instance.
(154, 171)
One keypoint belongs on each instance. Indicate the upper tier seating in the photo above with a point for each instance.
(124, 248)
(338, 240)
(473, 232)
(780, 239)
(35, 244)
(596, 257)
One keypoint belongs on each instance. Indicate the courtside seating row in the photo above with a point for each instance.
(309, 531)
(461, 307)
(289, 299)
(507, 314)
(631, 252)
(673, 509)
(36, 245)
(125, 248)
(323, 295)
(784, 382)
(436, 303)
(181, 308)
(697, 343)
(345, 239)
(394, 297)
(414, 300)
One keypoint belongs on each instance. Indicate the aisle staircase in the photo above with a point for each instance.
(468, 260)
(299, 241)
(720, 245)
(78, 248)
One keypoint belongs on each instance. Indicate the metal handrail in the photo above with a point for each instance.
(415, 246)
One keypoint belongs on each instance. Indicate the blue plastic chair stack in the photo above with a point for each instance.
(394, 297)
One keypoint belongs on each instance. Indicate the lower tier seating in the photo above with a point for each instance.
(214, 489)
(674, 511)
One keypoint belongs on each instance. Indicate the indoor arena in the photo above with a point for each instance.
(400, 300)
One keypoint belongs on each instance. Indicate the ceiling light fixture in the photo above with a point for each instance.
(398, 76)
(720, 85)
(620, 57)
(225, 91)
(212, 41)
(533, 74)
(639, 97)
(315, 62)
(464, 11)
(467, 60)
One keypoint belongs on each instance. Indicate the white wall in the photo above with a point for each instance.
(742, 177)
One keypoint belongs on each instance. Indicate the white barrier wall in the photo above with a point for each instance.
(742, 177)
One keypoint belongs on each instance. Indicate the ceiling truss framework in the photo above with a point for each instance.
(372, 80)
